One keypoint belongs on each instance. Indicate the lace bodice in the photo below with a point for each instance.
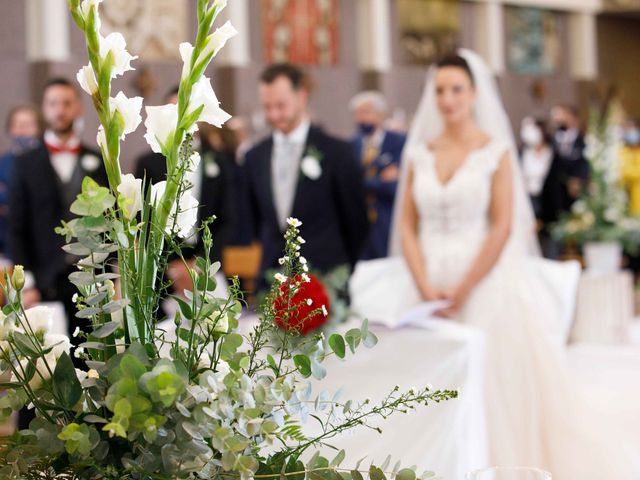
(453, 216)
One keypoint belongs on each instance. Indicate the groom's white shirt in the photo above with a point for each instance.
(285, 164)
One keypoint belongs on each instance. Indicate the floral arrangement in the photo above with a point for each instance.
(215, 399)
(601, 212)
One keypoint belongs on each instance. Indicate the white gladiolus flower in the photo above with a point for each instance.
(186, 52)
(131, 189)
(85, 6)
(117, 45)
(87, 79)
(217, 40)
(203, 95)
(40, 318)
(129, 108)
(101, 139)
(186, 209)
(161, 124)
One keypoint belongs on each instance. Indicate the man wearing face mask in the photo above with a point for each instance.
(24, 130)
(379, 152)
(630, 171)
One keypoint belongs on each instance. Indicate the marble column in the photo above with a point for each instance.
(490, 34)
(47, 29)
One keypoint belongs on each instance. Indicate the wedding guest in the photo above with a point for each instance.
(301, 171)
(24, 129)
(379, 151)
(536, 155)
(45, 182)
(213, 187)
(570, 167)
(630, 169)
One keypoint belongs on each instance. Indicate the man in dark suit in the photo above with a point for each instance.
(379, 151)
(213, 184)
(569, 171)
(45, 183)
(302, 172)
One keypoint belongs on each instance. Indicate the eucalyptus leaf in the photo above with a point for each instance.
(105, 329)
(303, 364)
(336, 342)
(66, 385)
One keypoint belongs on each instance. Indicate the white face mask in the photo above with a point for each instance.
(531, 135)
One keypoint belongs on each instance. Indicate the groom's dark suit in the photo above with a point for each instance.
(331, 207)
(39, 200)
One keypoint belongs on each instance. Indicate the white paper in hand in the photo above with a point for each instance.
(423, 314)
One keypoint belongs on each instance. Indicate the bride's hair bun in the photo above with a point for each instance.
(454, 60)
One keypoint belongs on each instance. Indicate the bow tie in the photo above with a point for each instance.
(55, 149)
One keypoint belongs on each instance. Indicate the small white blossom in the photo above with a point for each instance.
(76, 332)
(324, 311)
(294, 222)
(309, 302)
(302, 260)
(78, 352)
(301, 240)
(280, 278)
(305, 278)
(93, 374)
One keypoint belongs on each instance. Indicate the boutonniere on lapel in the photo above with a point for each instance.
(310, 164)
(90, 162)
(211, 167)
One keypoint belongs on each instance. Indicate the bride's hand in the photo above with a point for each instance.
(456, 297)
(430, 294)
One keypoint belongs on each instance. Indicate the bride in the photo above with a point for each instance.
(465, 229)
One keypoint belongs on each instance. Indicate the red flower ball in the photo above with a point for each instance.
(304, 316)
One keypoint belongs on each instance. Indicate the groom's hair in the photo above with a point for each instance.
(457, 61)
(296, 75)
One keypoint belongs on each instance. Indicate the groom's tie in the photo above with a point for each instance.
(285, 180)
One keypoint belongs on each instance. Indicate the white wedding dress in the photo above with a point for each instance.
(533, 415)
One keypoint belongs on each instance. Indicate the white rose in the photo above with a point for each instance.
(310, 166)
(220, 323)
(131, 189)
(203, 95)
(117, 45)
(129, 108)
(44, 367)
(87, 79)
(161, 123)
(40, 318)
(186, 209)
(60, 343)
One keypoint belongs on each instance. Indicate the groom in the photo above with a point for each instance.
(302, 172)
